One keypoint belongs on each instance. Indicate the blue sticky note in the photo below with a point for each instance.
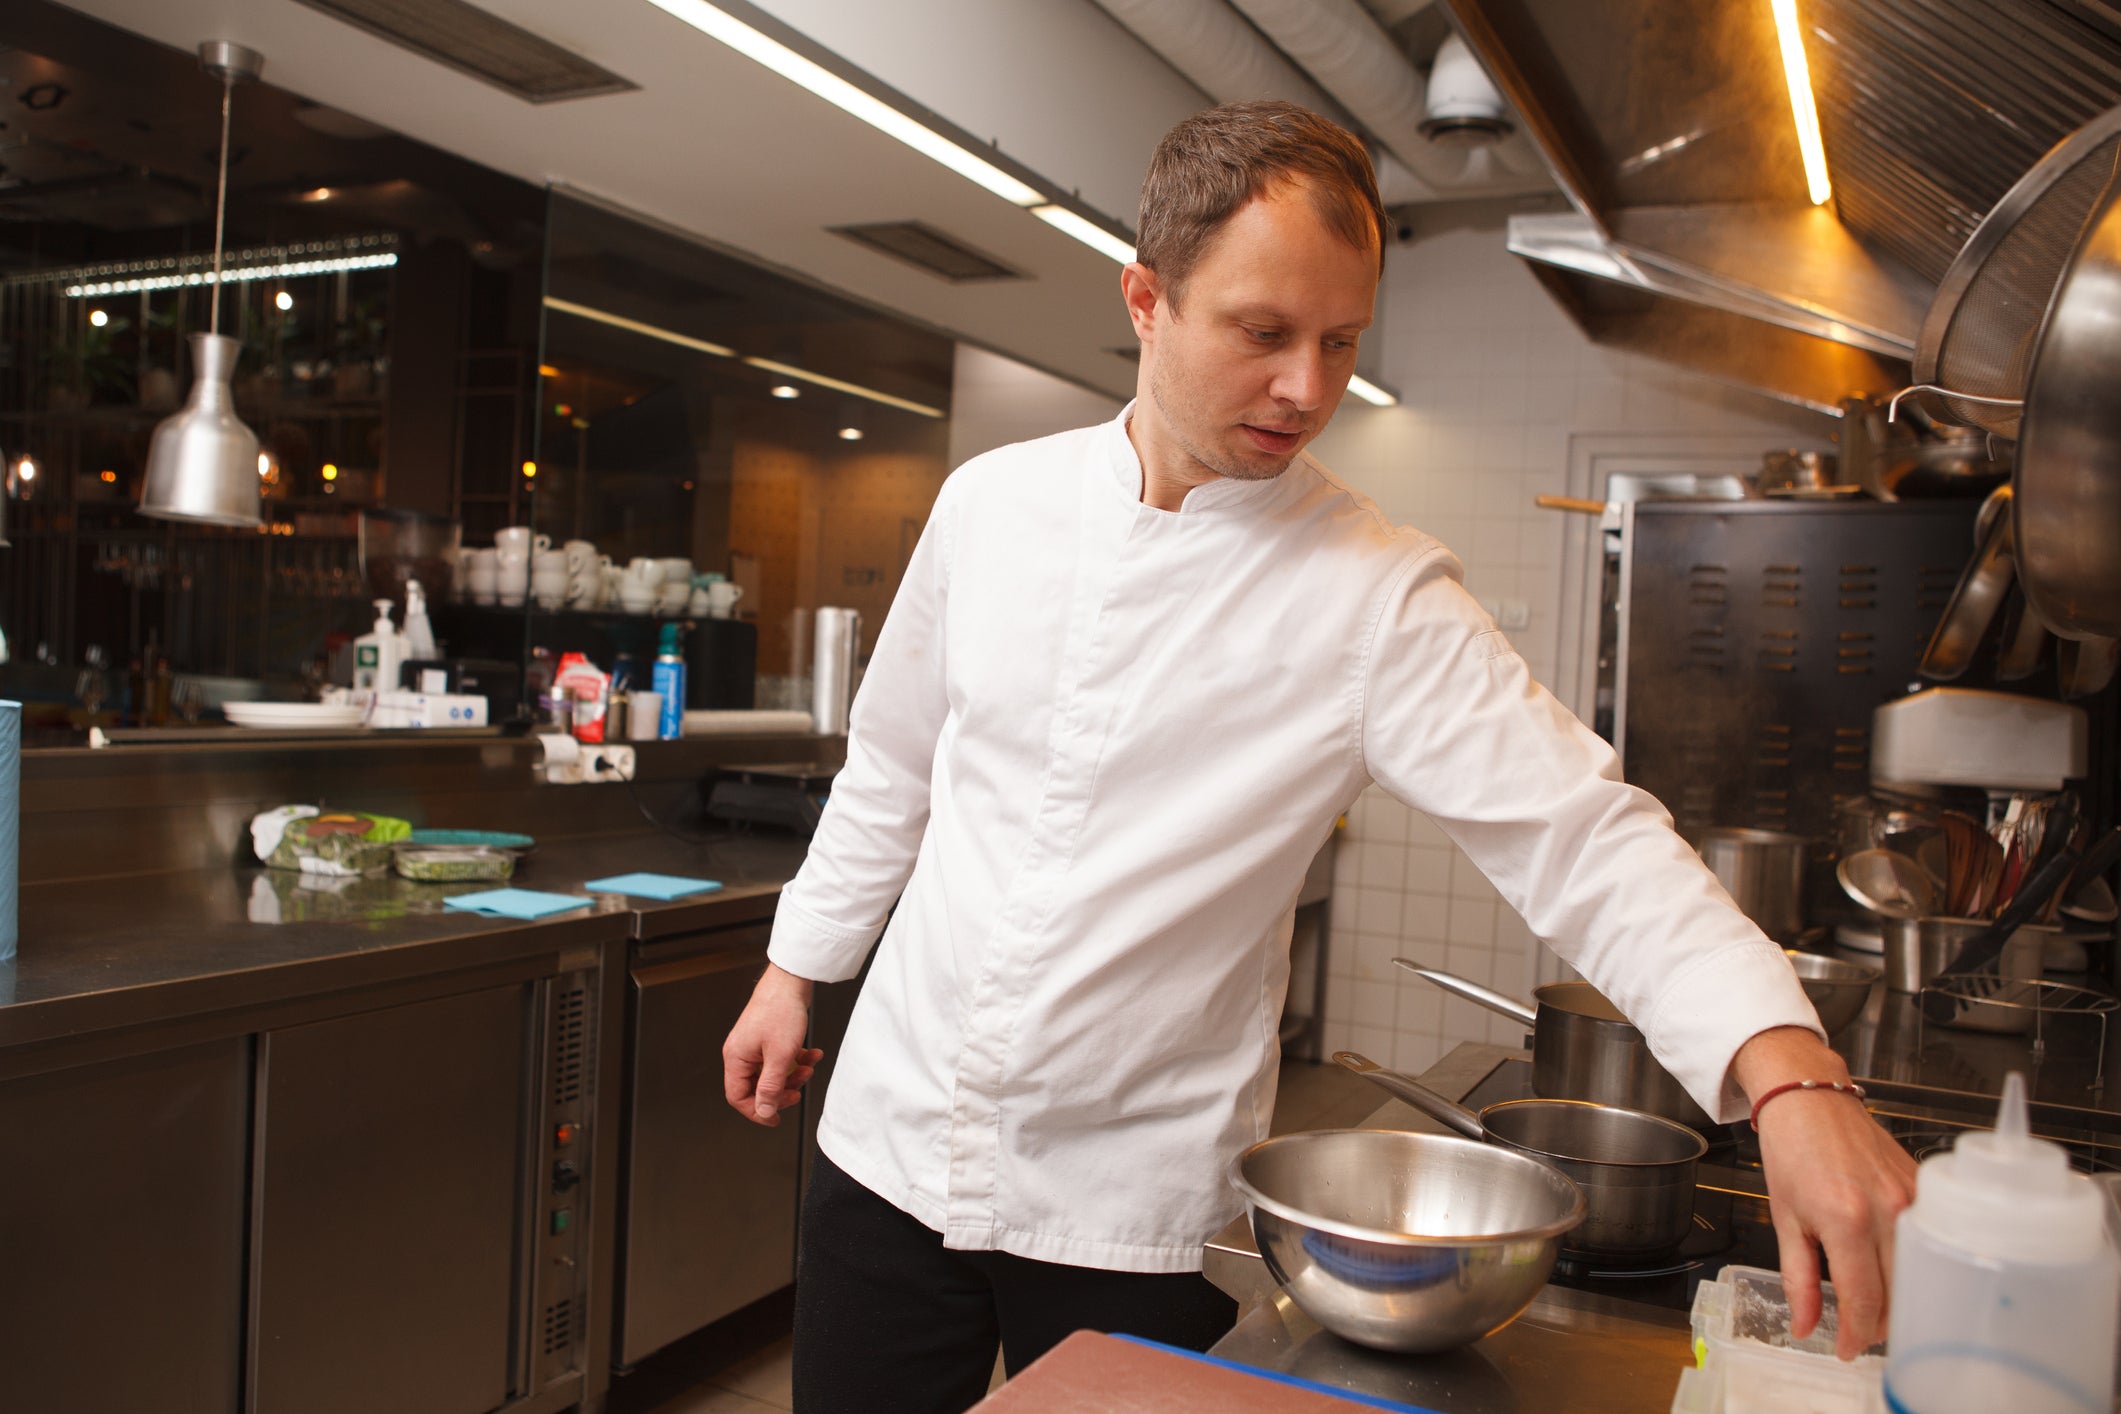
(515, 903)
(662, 886)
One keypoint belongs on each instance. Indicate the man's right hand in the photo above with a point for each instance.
(764, 1062)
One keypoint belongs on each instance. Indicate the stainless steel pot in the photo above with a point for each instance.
(1763, 871)
(1583, 1048)
(1636, 1170)
(1918, 949)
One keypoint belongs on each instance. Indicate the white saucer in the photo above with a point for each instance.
(281, 716)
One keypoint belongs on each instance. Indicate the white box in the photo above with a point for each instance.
(1959, 736)
(404, 708)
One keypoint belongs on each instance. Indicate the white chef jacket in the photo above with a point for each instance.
(1095, 750)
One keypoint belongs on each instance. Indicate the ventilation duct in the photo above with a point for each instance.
(1339, 44)
(471, 41)
(925, 248)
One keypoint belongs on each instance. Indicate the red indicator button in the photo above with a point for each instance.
(565, 1135)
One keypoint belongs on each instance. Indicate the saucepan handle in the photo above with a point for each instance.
(1473, 992)
(1420, 1096)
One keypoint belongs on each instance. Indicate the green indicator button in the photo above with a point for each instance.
(560, 1218)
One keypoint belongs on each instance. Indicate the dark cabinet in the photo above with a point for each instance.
(121, 1234)
(386, 1208)
(707, 1213)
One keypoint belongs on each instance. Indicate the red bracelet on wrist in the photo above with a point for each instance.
(1850, 1088)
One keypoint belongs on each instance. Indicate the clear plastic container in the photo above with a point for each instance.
(2006, 1285)
(1747, 1360)
(453, 863)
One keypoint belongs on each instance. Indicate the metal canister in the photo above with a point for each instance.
(1763, 870)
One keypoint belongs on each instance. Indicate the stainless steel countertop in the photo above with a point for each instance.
(153, 948)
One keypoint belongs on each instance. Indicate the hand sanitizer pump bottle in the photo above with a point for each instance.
(2006, 1286)
(378, 653)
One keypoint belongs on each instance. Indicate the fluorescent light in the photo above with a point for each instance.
(717, 24)
(1370, 393)
(1061, 219)
(635, 326)
(1802, 108)
(230, 277)
(786, 370)
(789, 370)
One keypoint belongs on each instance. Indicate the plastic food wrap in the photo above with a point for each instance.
(341, 843)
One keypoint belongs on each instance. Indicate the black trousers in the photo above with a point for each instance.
(889, 1321)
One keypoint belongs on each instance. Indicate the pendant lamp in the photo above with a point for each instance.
(203, 462)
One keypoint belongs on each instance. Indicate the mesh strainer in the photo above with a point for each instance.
(1979, 334)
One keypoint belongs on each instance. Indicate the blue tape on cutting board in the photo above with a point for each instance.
(515, 903)
(659, 886)
(1314, 1386)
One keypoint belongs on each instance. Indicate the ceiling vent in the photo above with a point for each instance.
(474, 42)
(922, 245)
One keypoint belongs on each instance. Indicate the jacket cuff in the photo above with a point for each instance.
(1708, 1013)
(817, 948)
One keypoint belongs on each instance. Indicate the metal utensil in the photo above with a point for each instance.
(1974, 603)
(1636, 1170)
(1406, 1242)
(1887, 883)
(1583, 1048)
(1837, 990)
(1978, 954)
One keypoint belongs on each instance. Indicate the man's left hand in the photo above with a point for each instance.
(1836, 1180)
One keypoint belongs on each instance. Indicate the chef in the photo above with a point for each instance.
(1132, 675)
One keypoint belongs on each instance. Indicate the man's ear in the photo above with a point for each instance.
(1144, 296)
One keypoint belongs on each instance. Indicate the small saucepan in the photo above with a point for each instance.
(1583, 1048)
(1636, 1170)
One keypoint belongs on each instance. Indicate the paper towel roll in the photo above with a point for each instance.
(10, 822)
(839, 633)
(561, 749)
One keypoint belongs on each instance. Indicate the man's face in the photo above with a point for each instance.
(1250, 363)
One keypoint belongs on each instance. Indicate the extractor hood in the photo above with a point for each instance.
(1692, 239)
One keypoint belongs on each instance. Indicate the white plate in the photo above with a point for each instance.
(283, 715)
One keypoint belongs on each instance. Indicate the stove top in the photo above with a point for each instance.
(1731, 1222)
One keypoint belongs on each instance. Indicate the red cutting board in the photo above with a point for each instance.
(1090, 1373)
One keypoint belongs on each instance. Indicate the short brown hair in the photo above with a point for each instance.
(1214, 162)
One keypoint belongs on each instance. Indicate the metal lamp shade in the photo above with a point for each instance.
(203, 462)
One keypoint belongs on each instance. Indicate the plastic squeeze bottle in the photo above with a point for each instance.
(2006, 1287)
(669, 679)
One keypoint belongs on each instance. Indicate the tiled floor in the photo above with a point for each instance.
(741, 1366)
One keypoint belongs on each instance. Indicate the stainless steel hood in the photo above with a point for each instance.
(1667, 124)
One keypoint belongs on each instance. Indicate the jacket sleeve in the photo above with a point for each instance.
(1454, 725)
(832, 912)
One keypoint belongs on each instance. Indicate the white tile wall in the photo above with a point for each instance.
(1495, 381)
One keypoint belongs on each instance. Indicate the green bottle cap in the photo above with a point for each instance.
(669, 640)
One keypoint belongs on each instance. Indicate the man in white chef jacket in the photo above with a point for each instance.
(1131, 677)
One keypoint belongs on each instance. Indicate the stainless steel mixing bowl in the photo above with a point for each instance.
(1407, 1242)
(1837, 989)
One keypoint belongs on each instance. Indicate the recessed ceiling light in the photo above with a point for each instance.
(786, 390)
(98, 318)
(283, 301)
(850, 434)
(317, 194)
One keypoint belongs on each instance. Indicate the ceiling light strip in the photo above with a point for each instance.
(1802, 107)
(1061, 219)
(635, 326)
(787, 370)
(718, 24)
(1372, 393)
(791, 371)
(281, 271)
